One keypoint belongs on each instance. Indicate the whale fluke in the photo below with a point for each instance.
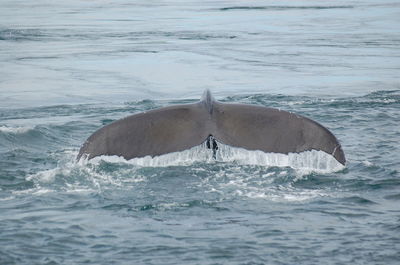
(180, 127)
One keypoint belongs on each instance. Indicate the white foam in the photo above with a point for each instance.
(231, 179)
(250, 185)
(46, 176)
(87, 177)
(367, 163)
(305, 162)
(292, 195)
(195, 154)
(14, 130)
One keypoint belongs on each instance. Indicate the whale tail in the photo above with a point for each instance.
(180, 127)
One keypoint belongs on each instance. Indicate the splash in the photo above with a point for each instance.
(233, 172)
(308, 161)
(71, 177)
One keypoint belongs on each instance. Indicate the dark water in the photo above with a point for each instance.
(67, 68)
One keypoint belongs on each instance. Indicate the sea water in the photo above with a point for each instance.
(68, 68)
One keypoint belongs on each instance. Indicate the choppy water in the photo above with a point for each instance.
(67, 68)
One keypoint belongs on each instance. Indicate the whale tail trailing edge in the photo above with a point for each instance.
(273, 131)
(180, 127)
(153, 133)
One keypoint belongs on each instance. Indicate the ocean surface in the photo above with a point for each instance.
(68, 68)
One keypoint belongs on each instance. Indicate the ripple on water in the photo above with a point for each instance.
(271, 199)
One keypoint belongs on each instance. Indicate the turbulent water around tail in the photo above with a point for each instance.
(191, 206)
(68, 68)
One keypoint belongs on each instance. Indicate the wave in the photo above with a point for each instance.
(21, 34)
(384, 98)
(282, 7)
(217, 181)
(15, 130)
(235, 172)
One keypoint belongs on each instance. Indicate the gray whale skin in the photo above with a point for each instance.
(180, 127)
